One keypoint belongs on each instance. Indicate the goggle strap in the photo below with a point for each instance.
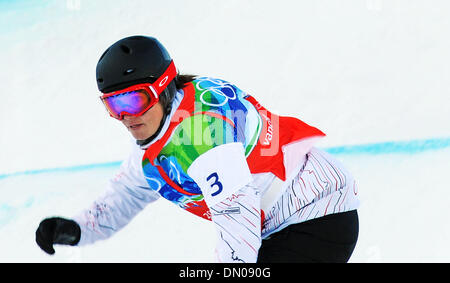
(168, 76)
(153, 91)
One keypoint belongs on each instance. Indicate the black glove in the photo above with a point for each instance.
(57, 230)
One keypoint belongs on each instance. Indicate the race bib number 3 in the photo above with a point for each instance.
(220, 172)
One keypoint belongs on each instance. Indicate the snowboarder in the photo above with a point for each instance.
(213, 150)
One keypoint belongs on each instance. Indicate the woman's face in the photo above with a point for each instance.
(147, 124)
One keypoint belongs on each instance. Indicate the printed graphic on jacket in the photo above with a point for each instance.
(214, 112)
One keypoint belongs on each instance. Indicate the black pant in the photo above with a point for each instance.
(331, 238)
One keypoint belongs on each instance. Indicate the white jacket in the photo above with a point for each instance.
(249, 208)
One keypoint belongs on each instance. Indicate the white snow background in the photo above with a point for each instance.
(374, 75)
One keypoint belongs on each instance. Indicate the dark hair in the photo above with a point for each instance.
(182, 80)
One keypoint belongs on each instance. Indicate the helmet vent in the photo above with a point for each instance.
(128, 71)
(125, 49)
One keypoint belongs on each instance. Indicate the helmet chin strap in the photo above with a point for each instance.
(167, 110)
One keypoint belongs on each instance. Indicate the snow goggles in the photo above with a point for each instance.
(137, 99)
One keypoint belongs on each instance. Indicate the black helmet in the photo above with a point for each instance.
(129, 61)
(133, 60)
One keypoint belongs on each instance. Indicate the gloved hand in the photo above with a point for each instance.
(57, 230)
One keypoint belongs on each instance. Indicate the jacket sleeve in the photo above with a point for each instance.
(223, 175)
(126, 195)
(238, 225)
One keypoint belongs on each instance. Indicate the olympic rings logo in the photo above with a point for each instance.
(216, 86)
